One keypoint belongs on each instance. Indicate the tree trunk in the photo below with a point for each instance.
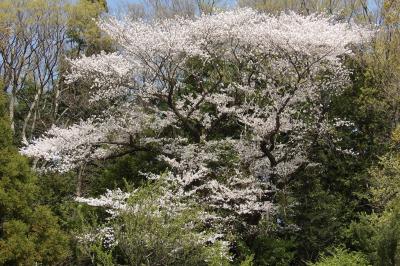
(28, 116)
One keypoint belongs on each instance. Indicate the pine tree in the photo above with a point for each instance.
(29, 232)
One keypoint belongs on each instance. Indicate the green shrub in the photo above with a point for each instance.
(29, 232)
(341, 257)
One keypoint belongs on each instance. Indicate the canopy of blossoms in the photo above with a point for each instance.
(231, 102)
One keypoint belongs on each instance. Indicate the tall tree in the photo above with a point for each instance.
(83, 32)
(232, 102)
(33, 38)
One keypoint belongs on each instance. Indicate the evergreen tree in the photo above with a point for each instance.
(29, 232)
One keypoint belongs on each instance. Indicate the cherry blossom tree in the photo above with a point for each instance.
(232, 102)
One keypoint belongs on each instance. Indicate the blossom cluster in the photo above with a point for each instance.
(232, 102)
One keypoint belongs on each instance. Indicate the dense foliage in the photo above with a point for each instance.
(29, 231)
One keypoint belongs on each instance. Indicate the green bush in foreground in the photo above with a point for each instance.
(341, 257)
(29, 232)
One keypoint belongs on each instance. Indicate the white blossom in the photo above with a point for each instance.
(175, 84)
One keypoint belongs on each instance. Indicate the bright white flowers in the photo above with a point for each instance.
(231, 101)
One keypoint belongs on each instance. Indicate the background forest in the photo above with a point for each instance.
(345, 210)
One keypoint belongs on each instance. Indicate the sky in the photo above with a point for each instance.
(118, 4)
(115, 4)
